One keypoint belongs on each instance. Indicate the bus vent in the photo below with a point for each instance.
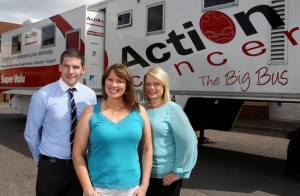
(278, 40)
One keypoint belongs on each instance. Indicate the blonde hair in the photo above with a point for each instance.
(163, 77)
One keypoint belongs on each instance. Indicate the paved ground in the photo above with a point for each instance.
(266, 125)
(17, 169)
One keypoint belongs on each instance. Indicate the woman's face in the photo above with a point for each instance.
(114, 86)
(153, 88)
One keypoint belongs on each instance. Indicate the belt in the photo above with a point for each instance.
(56, 160)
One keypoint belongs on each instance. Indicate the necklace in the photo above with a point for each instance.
(155, 104)
(113, 111)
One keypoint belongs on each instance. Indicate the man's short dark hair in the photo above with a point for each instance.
(72, 52)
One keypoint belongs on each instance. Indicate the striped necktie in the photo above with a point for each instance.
(73, 117)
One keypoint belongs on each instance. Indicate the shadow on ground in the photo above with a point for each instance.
(241, 173)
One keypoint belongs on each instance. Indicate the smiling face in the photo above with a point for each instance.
(154, 89)
(115, 86)
(71, 70)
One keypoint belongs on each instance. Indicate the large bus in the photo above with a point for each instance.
(218, 54)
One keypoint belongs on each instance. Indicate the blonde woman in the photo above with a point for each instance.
(174, 140)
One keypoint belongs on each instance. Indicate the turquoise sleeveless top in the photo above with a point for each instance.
(113, 161)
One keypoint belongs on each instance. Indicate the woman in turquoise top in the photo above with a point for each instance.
(174, 140)
(114, 129)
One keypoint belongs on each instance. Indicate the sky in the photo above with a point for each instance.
(17, 11)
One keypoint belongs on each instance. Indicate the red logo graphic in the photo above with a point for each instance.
(217, 27)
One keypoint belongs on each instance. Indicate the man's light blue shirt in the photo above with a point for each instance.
(48, 122)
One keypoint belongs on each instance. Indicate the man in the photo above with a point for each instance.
(48, 127)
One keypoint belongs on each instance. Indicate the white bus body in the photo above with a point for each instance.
(216, 54)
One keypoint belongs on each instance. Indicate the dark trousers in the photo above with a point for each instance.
(57, 179)
(156, 188)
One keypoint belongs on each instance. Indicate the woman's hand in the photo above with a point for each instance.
(170, 178)
(140, 191)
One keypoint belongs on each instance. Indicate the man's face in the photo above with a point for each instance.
(71, 70)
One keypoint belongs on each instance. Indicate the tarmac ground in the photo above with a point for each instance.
(266, 125)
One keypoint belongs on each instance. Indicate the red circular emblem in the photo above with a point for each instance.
(217, 27)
